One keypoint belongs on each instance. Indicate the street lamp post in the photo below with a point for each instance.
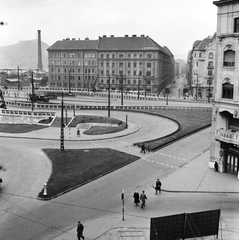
(69, 80)
(138, 86)
(197, 88)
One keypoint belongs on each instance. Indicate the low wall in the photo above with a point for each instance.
(75, 106)
(24, 117)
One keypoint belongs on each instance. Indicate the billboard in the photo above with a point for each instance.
(185, 225)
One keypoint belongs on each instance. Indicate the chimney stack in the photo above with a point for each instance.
(39, 65)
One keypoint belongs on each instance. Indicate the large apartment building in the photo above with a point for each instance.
(201, 67)
(225, 115)
(130, 62)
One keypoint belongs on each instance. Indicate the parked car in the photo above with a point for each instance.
(51, 95)
(69, 94)
(38, 98)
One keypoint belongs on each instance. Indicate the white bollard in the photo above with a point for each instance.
(45, 190)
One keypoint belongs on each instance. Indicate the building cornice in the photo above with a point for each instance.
(224, 2)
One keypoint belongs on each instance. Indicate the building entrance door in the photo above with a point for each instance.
(232, 163)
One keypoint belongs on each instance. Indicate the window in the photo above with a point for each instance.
(78, 77)
(101, 72)
(93, 77)
(129, 65)
(102, 56)
(210, 72)
(229, 58)
(140, 55)
(210, 56)
(121, 64)
(113, 56)
(113, 64)
(128, 81)
(128, 55)
(200, 54)
(134, 73)
(135, 55)
(149, 56)
(135, 64)
(236, 25)
(128, 73)
(121, 55)
(210, 64)
(107, 64)
(102, 64)
(107, 56)
(227, 90)
(195, 55)
(149, 65)
(78, 70)
(85, 70)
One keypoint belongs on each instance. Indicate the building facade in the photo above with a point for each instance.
(202, 62)
(225, 115)
(128, 63)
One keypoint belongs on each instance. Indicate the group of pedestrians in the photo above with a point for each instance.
(142, 196)
(139, 197)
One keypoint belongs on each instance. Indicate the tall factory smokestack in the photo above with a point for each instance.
(39, 65)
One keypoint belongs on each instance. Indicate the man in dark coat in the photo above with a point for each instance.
(143, 197)
(136, 198)
(80, 229)
(158, 186)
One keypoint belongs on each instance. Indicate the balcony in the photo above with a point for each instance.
(227, 136)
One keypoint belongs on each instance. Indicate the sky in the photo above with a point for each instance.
(172, 23)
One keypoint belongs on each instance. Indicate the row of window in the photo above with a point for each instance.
(73, 70)
(72, 63)
(114, 81)
(102, 55)
(210, 55)
(86, 77)
(129, 64)
(71, 55)
(122, 55)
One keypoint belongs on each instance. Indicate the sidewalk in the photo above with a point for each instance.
(195, 176)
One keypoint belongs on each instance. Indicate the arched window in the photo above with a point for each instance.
(227, 90)
(229, 58)
(210, 56)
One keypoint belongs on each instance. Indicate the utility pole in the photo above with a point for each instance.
(122, 90)
(62, 126)
(197, 88)
(31, 74)
(18, 80)
(69, 80)
(109, 97)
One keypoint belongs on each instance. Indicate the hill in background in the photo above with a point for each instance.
(23, 54)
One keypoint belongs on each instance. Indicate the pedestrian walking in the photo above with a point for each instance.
(80, 229)
(143, 148)
(158, 186)
(216, 166)
(136, 198)
(143, 197)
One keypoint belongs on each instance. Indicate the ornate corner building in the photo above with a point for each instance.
(225, 112)
(130, 63)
